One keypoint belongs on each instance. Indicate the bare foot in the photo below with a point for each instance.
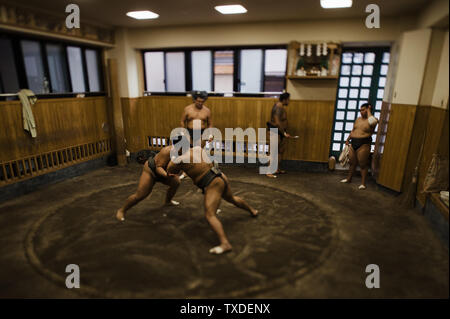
(172, 203)
(218, 250)
(271, 175)
(254, 212)
(120, 215)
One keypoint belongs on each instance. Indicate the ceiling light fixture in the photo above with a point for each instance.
(231, 9)
(142, 15)
(332, 4)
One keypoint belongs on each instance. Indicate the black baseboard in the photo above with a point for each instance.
(24, 187)
(304, 166)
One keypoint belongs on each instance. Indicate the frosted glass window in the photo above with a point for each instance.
(354, 93)
(369, 57)
(358, 58)
(337, 136)
(368, 70)
(175, 72)
(76, 69)
(343, 93)
(377, 115)
(361, 102)
(340, 115)
(352, 104)
(348, 126)
(355, 81)
(351, 116)
(346, 135)
(154, 71)
(366, 82)
(9, 83)
(275, 70)
(386, 57)
(344, 81)
(347, 58)
(360, 82)
(345, 70)
(223, 71)
(93, 70)
(356, 70)
(365, 94)
(201, 70)
(378, 105)
(59, 75)
(34, 68)
(251, 71)
(275, 62)
(336, 147)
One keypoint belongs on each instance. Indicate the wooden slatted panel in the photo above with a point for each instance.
(154, 117)
(59, 122)
(396, 147)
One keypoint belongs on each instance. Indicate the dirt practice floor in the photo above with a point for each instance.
(313, 239)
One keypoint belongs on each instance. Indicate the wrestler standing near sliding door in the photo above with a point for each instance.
(361, 139)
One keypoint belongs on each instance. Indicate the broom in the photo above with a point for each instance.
(408, 199)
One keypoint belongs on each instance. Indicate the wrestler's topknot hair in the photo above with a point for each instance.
(199, 94)
(284, 96)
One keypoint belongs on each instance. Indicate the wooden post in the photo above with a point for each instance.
(119, 137)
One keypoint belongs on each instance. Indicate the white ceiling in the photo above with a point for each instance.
(193, 12)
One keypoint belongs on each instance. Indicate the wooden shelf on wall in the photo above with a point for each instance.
(331, 61)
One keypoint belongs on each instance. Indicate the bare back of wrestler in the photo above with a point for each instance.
(196, 164)
(154, 170)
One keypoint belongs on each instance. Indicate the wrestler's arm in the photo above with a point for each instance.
(173, 169)
(209, 119)
(373, 121)
(161, 172)
(277, 116)
(277, 121)
(209, 125)
(184, 118)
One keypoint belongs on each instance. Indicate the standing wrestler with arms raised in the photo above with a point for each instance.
(279, 120)
(154, 171)
(214, 184)
(361, 139)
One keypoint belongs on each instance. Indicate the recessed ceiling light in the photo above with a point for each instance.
(331, 4)
(231, 9)
(142, 15)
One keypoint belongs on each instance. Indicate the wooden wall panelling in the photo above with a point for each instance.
(65, 129)
(396, 148)
(418, 133)
(155, 117)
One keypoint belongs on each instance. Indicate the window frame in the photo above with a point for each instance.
(236, 67)
(373, 89)
(16, 39)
